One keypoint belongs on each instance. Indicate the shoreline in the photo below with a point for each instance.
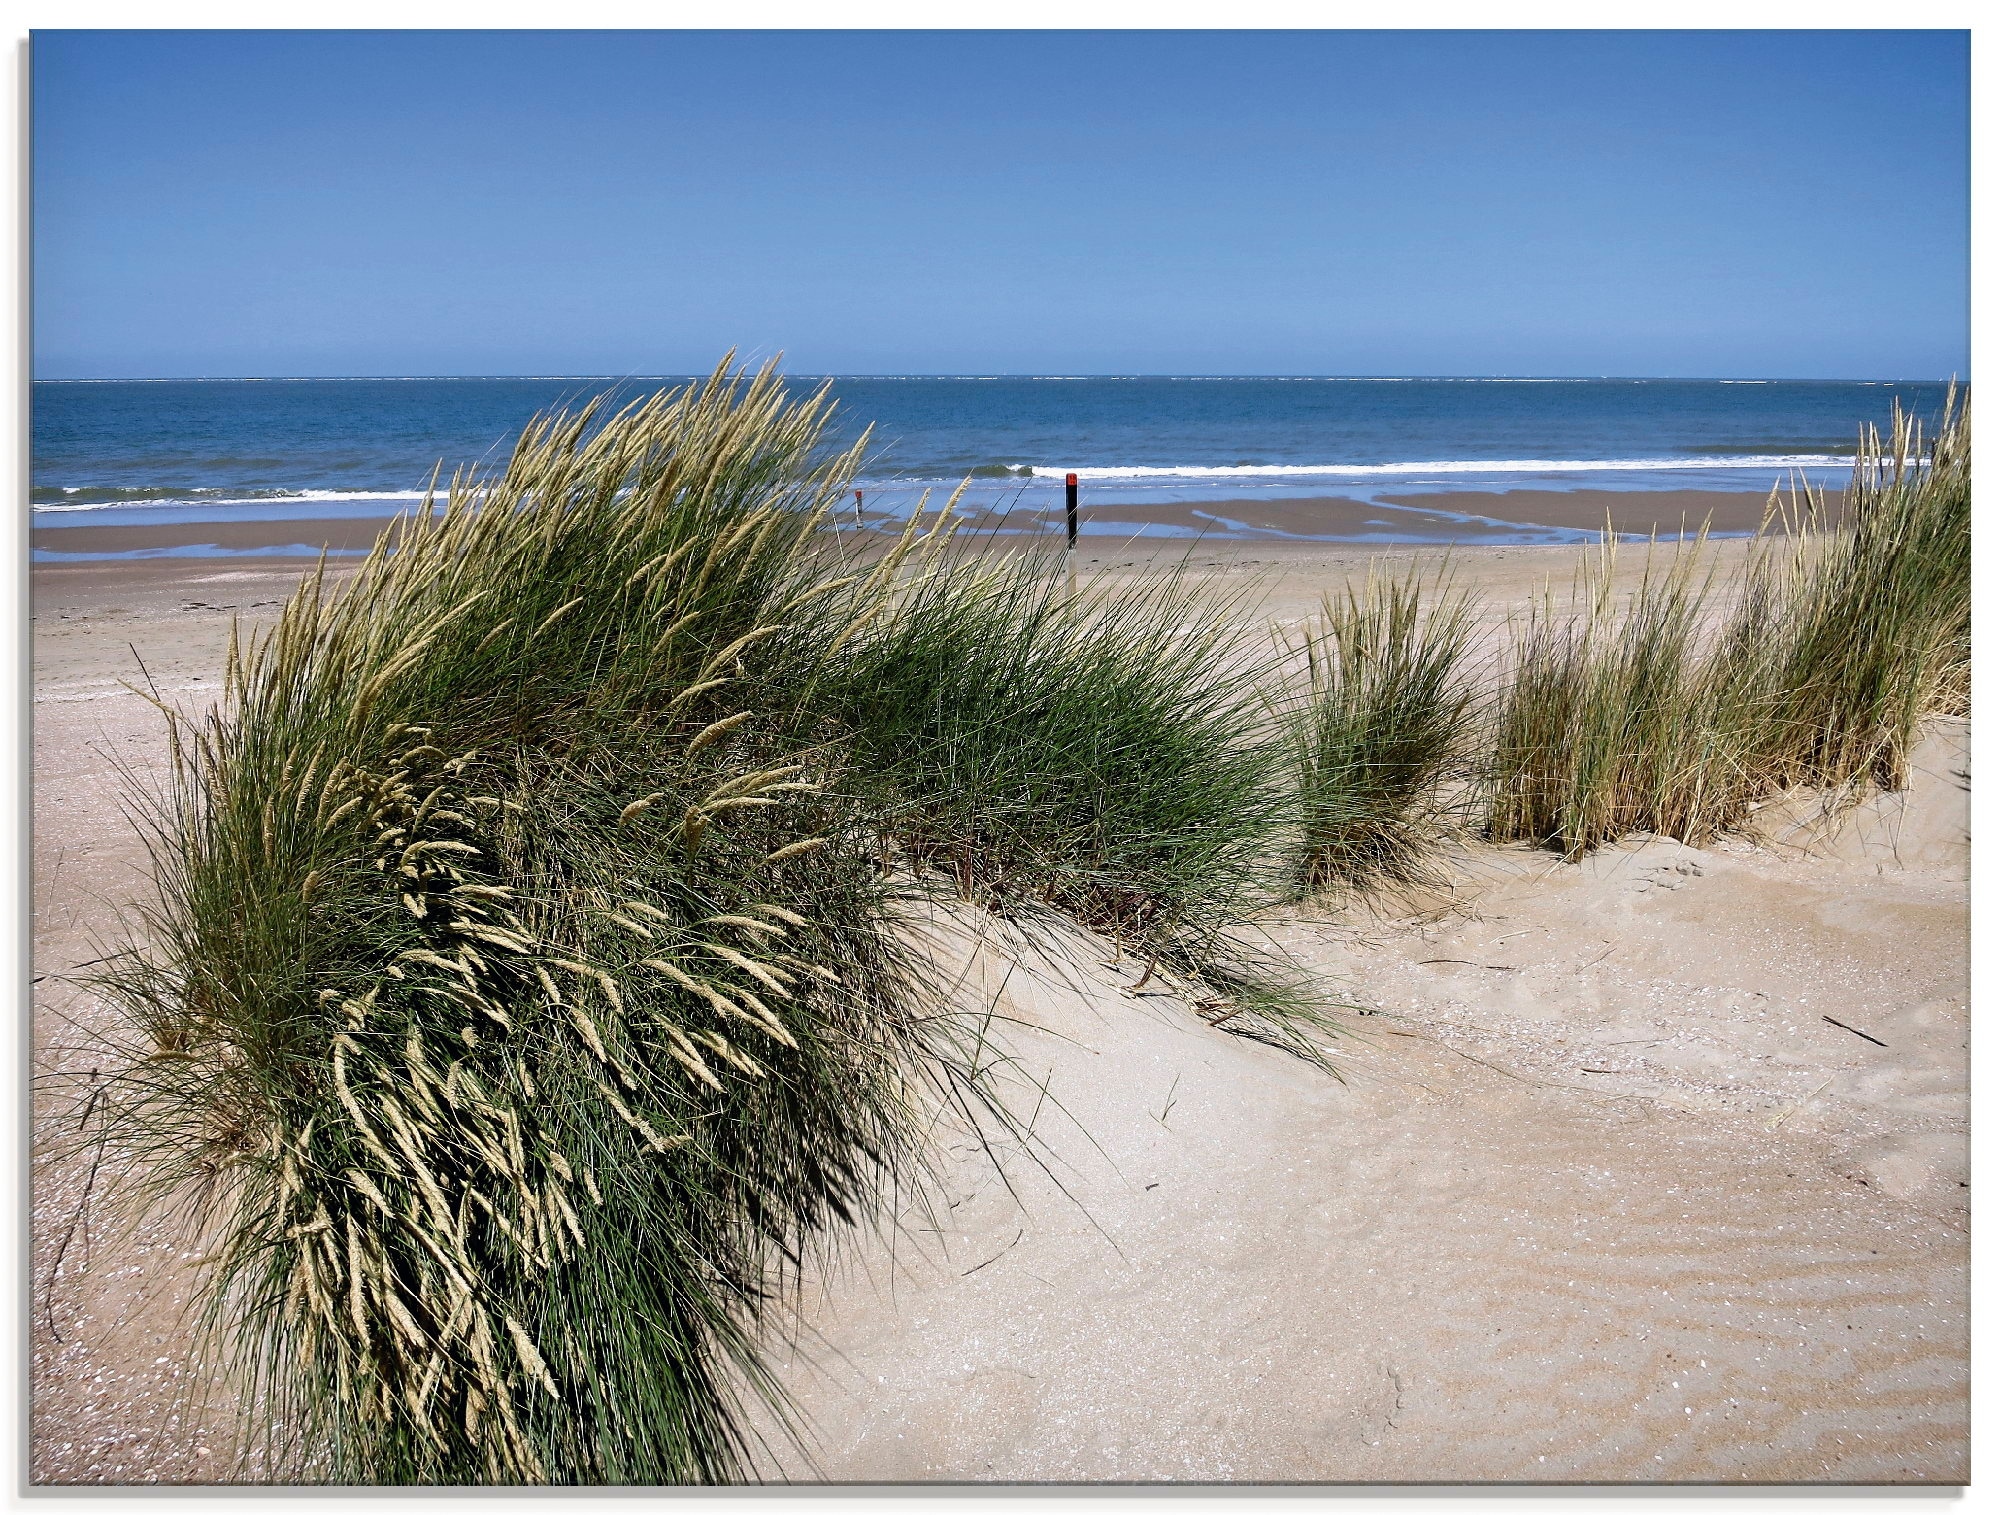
(1509, 518)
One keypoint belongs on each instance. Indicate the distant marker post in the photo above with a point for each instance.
(1069, 514)
(857, 510)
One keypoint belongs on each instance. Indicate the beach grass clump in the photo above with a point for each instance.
(1100, 755)
(1877, 629)
(1382, 740)
(1613, 714)
(528, 989)
(519, 1003)
(1677, 708)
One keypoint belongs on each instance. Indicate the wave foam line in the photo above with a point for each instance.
(192, 498)
(1498, 465)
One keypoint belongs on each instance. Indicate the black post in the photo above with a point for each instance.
(1069, 506)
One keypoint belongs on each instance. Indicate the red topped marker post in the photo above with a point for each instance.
(1069, 507)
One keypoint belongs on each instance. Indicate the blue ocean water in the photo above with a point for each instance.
(160, 451)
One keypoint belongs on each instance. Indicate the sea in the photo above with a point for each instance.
(168, 451)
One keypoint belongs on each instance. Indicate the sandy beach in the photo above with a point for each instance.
(1471, 517)
(1648, 1168)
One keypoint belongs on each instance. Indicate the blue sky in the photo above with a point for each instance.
(1728, 204)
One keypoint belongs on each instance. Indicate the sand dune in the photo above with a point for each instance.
(1600, 1194)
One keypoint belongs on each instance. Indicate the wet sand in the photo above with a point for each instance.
(1510, 515)
(306, 537)
(1601, 1193)
(1471, 517)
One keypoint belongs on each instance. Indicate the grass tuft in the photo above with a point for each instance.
(1678, 708)
(1605, 724)
(1099, 755)
(1383, 739)
(490, 1023)
(1877, 628)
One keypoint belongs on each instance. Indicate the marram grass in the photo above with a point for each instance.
(1877, 629)
(1676, 708)
(517, 1009)
(1100, 755)
(1382, 742)
(1604, 726)
(524, 1000)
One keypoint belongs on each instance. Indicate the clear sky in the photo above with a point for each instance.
(1726, 204)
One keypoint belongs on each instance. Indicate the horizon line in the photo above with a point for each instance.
(1502, 378)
